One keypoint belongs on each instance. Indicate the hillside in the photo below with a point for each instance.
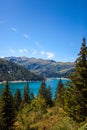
(46, 68)
(16, 72)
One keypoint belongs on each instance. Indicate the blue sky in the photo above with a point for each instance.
(48, 29)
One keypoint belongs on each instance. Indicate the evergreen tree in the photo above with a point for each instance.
(27, 96)
(49, 97)
(79, 77)
(45, 93)
(76, 103)
(22, 119)
(17, 99)
(39, 105)
(7, 111)
(42, 90)
(59, 95)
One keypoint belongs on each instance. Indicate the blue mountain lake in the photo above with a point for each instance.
(33, 85)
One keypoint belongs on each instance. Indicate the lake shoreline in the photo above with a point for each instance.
(19, 81)
(33, 85)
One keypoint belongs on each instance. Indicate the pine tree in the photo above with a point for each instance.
(77, 101)
(81, 68)
(17, 99)
(7, 111)
(45, 93)
(59, 95)
(22, 119)
(49, 101)
(39, 105)
(27, 96)
(42, 90)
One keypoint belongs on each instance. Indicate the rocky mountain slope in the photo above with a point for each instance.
(46, 68)
(16, 72)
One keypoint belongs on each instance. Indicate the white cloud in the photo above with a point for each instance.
(23, 50)
(2, 56)
(49, 55)
(11, 50)
(43, 53)
(26, 36)
(13, 29)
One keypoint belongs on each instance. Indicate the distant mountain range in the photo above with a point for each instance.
(15, 72)
(45, 68)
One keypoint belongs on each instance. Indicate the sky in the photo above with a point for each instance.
(47, 29)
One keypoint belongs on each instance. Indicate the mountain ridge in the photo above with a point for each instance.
(14, 72)
(44, 67)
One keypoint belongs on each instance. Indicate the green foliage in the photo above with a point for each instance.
(65, 123)
(39, 105)
(27, 96)
(22, 119)
(45, 93)
(76, 94)
(42, 90)
(49, 101)
(30, 114)
(7, 111)
(83, 127)
(79, 77)
(16, 72)
(59, 95)
(17, 99)
(54, 119)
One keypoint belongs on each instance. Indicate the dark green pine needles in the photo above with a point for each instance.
(76, 94)
(7, 111)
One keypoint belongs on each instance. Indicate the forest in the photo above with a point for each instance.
(66, 111)
(8, 69)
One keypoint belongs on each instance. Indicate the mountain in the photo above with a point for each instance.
(46, 68)
(15, 72)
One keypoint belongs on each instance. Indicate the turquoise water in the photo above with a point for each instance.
(34, 86)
